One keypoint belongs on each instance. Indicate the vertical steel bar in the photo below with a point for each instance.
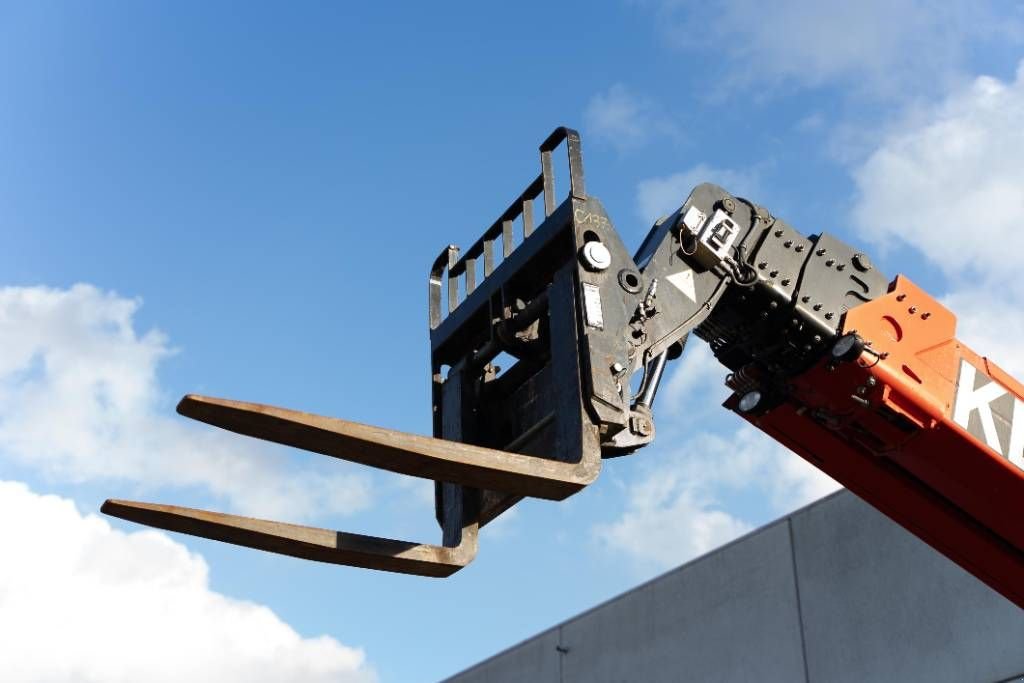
(470, 275)
(453, 281)
(506, 237)
(576, 178)
(441, 264)
(548, 172)
(488, 257)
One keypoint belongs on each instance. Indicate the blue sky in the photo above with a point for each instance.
(243, 201)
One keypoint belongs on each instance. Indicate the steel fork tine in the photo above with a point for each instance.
(308, 543)
(401, 452)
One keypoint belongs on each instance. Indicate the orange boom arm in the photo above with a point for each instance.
(921, 427)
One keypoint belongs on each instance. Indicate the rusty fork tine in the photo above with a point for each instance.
(308, 543)
(412, 454)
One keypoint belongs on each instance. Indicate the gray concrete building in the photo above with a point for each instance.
(834, 592)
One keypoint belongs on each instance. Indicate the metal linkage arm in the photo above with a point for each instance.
(768, 299)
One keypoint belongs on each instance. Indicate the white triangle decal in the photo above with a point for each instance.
(683, 281)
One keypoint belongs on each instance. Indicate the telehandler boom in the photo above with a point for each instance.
(860, 374)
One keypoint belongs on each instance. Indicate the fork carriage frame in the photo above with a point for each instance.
(524, 305)
(531, 431)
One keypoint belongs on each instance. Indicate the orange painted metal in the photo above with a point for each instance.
(883, 426)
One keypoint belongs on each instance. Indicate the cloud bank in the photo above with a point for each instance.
(881, 48)
(662, 195)
(949, 183)
(80, 400)
(626, 120)
(82, 601)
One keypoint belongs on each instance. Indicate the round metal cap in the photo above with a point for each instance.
(596, 256)
(848, 347)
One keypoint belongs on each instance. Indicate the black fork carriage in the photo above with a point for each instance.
(542, 301)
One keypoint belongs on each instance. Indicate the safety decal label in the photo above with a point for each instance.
(592, 306)
(990, 412)
(683, 281)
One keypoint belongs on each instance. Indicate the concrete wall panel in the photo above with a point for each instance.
(728, 616)
(865, 599)
(879, 604)
(535, 661)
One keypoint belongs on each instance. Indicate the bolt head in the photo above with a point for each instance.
(641, 426)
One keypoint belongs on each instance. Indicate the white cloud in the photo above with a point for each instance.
(949, 182)
(657, 197)
(80, 400)
(793, 482)
(991, 322)
(82, 601)
(626, 120)
(505, 525)
(420, 492)
(679, 510)
(880, 47)
(811, 123)
(695, 387)
(665, 525)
